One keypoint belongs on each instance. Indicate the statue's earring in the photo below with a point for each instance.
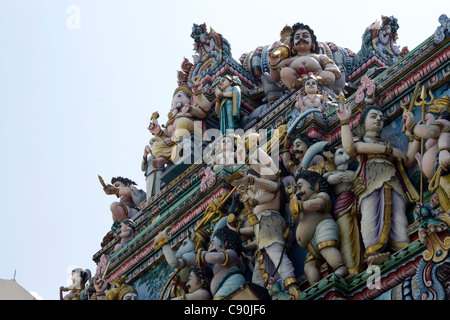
(313, 48)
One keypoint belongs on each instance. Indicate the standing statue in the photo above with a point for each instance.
(316, 231)
(130, 198)
(198, 285)
(188, 104)
(344, 213)
(224, 255)
(382, 186)
(228, 103)
(311, 97)
(434, 163)
(290, 62)
(152, 174)
(262, 197)
(125, 233)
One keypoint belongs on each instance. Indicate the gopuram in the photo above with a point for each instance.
(300, 171)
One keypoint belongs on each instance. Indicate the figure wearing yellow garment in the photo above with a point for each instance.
(187, 106)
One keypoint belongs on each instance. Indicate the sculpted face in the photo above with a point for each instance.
(310, 86)
(374, 121)
(224, 84)
(227, 144)
(302, 40)
(194, 283)
(304, 190)
(180, 99)
(299, 148)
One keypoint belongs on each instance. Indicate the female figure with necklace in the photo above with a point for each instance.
(381, 185)
(290, 62)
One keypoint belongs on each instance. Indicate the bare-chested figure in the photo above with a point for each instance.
(301, 57)
(224, 255)
(316, 231)
(268, 227)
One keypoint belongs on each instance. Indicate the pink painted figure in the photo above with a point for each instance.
(300, 57)
(435, 161)
(311, 97)
(188, 104)
(130, 197)
(125, 234)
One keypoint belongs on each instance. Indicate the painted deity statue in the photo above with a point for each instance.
(211, 49)
(290, 62)
(152, 174)
(79, 279)
(183, 258)
(311, 97)
(198, 284)
(125, 233)
(224, 255)
(228, 103)
(188, 104)
(435, 161)
(262, 197)
(225, 152)
(317, 231)
(130, 196)
(381, 186)
(344, 213)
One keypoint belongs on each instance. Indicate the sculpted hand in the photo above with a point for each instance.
(408, 119)
(154, 127)
(344, 112)
(397, 153)
(110, 189)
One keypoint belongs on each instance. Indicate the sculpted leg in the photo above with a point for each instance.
(119, 212)
(312, 271)
(334, 259)
(288, 76)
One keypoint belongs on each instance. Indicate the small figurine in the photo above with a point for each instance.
(79, 279)
(152, 174)
(228, 103)
(125, 233)
(311, 97)
(130, 196)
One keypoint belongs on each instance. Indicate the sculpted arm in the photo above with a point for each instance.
(344, 113)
